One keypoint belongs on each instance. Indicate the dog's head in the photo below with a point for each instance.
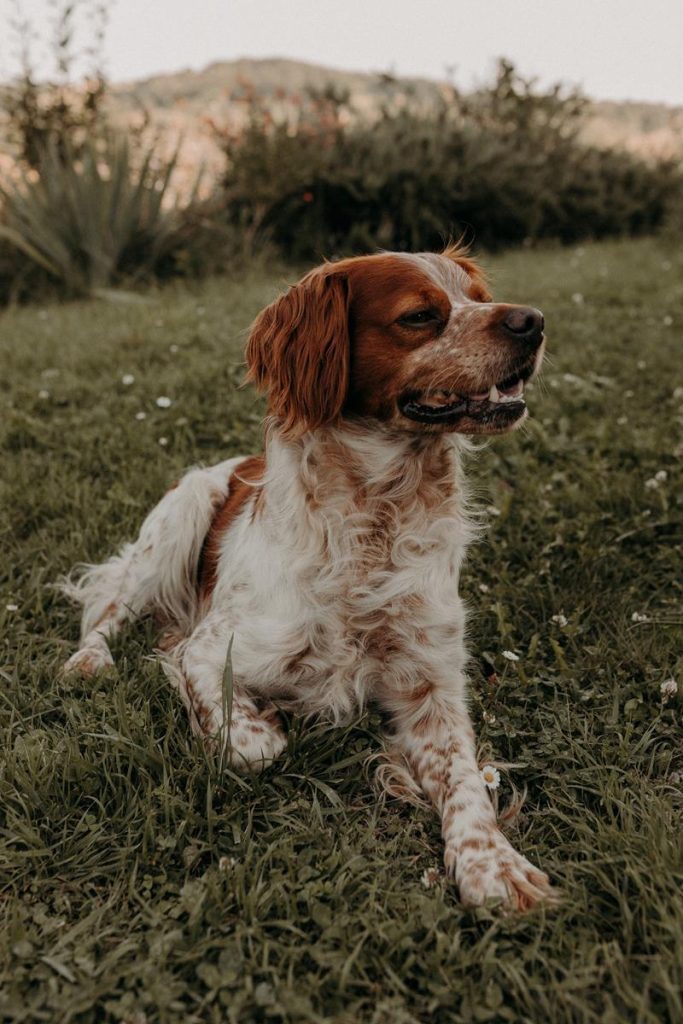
(412, 340)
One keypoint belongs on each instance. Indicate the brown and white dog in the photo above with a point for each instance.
(333, 559)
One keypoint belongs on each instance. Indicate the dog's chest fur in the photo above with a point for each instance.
(343, 576)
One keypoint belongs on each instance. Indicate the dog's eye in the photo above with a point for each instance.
(419, 317)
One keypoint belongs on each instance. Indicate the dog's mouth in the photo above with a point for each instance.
(501, 405)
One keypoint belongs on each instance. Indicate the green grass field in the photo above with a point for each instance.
(139, 884)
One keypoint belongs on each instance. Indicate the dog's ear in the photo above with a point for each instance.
(298, 351)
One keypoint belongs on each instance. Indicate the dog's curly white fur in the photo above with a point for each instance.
(333, 560)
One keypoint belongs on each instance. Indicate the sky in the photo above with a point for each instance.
(613, 49)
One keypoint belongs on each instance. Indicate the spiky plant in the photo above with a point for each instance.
(94, 218)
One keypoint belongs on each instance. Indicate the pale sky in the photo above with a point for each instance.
(614, 49)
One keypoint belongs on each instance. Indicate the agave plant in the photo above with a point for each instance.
(92, 218)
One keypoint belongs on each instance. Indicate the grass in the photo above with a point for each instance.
(140, 884)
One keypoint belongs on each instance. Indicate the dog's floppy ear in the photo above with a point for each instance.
(298, 351)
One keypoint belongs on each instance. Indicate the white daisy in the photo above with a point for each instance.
(668, 689)
(430, 876)
(510, 656)
(490, 776)
(560, 619)
(163, 441)
(128, 379)
(164, 402)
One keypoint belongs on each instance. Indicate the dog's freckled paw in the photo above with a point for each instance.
(88, 662)
(255, 747)
(504, 875)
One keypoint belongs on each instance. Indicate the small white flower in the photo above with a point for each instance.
(622, 420)
(641, 364)
(667, 320)
(560, 619)
(163, 441)
(43, 394)
(652, 484)
(488, 717)
(577, 299)
(484, 588)
(639, 617)
(164, 402)
(12, 607)
(510, 656)
(173, 349)
(141, 415)
(661, 475)
(227, 863)
(676, 778)
(128, 379)
(430, 876)
(678, 393)
(490, 776)
(668, 689)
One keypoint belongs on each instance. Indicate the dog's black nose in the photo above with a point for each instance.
(524, 323)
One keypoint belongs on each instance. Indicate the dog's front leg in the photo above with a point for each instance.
(433, 731)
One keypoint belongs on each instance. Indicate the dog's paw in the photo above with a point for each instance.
(253, 745)
(493, 870)
(88, 662)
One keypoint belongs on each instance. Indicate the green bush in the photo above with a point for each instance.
(94, 219)
(503, 165)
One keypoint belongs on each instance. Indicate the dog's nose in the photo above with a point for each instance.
(524, 323)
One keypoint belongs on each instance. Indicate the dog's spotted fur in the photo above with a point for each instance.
(333, 561)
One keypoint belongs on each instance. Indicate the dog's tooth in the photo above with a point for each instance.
(493, 394)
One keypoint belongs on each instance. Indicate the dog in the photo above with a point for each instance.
(331, 562)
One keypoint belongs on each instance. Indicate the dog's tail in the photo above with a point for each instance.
(158, 572)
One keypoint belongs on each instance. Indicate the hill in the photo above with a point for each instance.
(190, 103)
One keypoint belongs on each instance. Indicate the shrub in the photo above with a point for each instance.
(504, 165)
(38, 112)
(94, 219)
